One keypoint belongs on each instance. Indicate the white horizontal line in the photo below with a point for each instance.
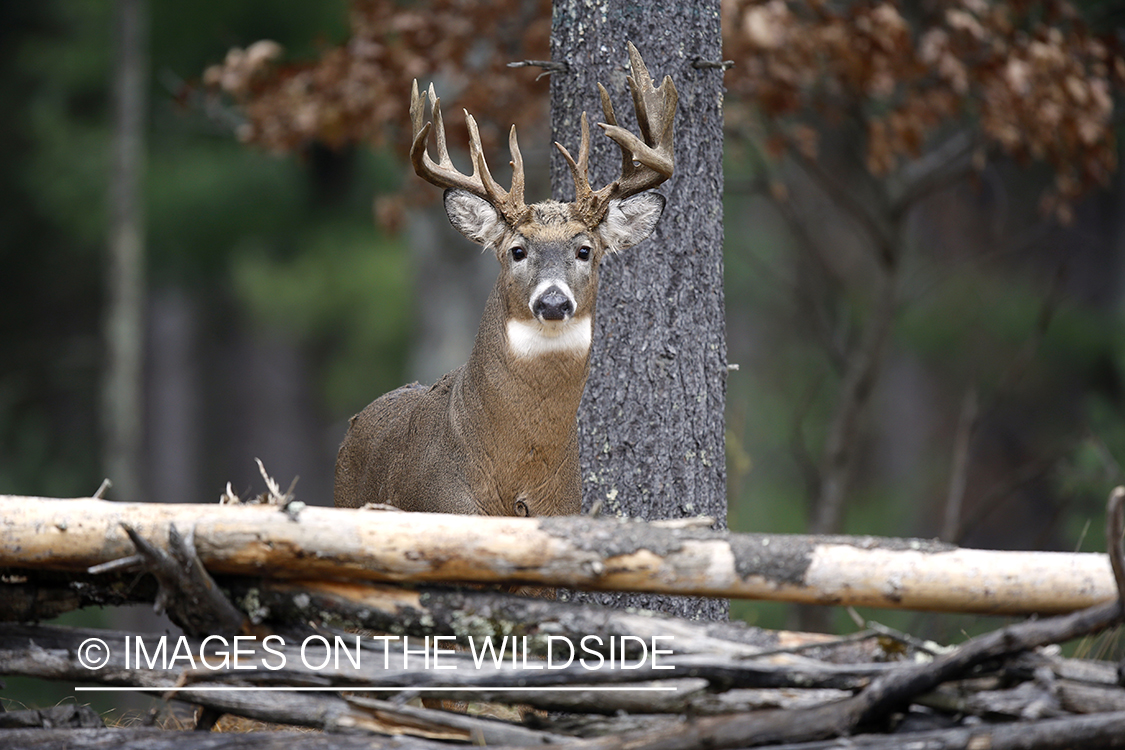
(365, 688)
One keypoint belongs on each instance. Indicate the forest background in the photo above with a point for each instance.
(925, 252)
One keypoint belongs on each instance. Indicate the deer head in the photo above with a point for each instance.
(549, 251)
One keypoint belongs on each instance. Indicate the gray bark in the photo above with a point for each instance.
(152, 738)
(651, 422)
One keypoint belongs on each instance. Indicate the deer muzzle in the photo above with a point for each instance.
(553, 303)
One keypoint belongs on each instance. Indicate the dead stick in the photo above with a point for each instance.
(1097, 731)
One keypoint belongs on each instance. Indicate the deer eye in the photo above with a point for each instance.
(583, 253)
(518, 253)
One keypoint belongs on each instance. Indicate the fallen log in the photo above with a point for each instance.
(35, 595)
(479, 613)
(1101, 731)
(151, 738)
(576, 552)
(430, 610)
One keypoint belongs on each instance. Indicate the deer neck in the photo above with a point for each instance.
(524, 380)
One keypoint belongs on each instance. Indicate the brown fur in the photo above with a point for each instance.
(476, 441)
(498, 435)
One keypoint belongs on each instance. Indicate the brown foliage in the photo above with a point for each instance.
(360, 92)
(1029, 76)
(1034, 80)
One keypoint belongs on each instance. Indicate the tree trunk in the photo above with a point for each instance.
(122, 389)
(651, 422)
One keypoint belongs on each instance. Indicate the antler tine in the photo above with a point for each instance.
(508, 202)
(439, 130)
(649, 159)
(647, 99)
(442, 173)
(476, 155)
(580, 169)
(640, 85)
(611, 119)
(516, 193)
(417, 109)
(646, 160)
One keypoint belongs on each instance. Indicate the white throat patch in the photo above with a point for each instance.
(532, 339)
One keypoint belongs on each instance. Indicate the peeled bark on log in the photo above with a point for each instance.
(51, 651)
(576, 552)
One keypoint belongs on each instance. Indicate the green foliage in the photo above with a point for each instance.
(65, 118)
(346, 289)
(187, 37)
(229, 224)
(209, 198)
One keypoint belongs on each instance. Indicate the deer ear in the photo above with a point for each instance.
(631, 220)
(473, 217)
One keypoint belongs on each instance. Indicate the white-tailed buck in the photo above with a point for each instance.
(498, 435)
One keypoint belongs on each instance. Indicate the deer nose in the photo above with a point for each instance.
(553, 304)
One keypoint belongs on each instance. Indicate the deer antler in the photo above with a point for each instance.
(646, 161)
(509, 203)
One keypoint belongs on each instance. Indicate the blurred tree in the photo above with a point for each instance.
(50, 257)
(123, 385)
(213, 208)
